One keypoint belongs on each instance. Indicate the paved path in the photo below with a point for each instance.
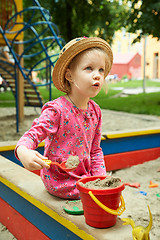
(134, 91)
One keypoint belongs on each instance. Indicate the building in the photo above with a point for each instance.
(123, 49)
(123, 43)
(151, 51)
(128, 64)
(126, 56)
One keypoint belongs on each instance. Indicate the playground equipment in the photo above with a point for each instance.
(7, 10)
(30, 212)
(37, 39)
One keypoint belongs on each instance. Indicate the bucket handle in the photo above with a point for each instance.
(119, 210)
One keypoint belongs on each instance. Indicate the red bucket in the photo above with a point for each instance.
(101, 207)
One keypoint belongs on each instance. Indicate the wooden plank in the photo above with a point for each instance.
(33, 104)
(45, 211)
(12, 80)
(28, 91)
(131, 133)
(15, 222)
(128, 159)
(128, 144)
(33, 97)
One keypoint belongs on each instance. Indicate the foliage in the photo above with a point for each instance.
(85, 17)
(144, 15)
(38, 37)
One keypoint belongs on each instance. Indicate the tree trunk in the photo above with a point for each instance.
(69, 20)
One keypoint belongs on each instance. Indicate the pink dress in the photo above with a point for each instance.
(67, 130)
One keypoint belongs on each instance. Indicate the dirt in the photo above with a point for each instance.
(100, 184)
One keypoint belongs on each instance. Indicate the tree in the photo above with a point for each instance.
(144, 17)
(85, 17)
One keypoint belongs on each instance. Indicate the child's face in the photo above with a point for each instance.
(87, 73)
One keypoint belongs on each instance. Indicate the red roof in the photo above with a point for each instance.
(123, 58)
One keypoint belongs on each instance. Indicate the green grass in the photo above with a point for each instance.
(141, 104)
(7, 99)
(148, 103)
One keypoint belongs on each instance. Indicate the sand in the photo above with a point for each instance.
(137, 199)
(72, 162)
(101, 184)
(5, 234)
(111, 121)
(136, 202)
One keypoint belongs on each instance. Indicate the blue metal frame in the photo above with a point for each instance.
(39, 38)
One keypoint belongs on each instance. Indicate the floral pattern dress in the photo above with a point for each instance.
(67, 130)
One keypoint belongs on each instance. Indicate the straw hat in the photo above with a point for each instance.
(69, 51)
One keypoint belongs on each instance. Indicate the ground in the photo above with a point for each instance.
(137, 199)
(111, 121)
(136, 202)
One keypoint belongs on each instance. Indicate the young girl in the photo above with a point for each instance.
(70, 124)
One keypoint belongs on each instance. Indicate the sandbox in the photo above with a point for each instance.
(30, 212)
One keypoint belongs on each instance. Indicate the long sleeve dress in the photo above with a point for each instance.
(67, 130)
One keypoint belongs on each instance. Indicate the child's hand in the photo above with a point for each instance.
(31, 159)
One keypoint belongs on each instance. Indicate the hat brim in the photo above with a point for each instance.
(76, 48)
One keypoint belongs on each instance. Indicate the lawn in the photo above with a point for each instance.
(144, 103)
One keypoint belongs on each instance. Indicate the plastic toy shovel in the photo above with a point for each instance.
(74, 207)
(60, 165)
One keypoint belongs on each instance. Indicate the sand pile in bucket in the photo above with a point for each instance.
(108, 182)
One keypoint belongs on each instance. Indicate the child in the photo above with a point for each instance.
(71, 124)
(5, 53)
